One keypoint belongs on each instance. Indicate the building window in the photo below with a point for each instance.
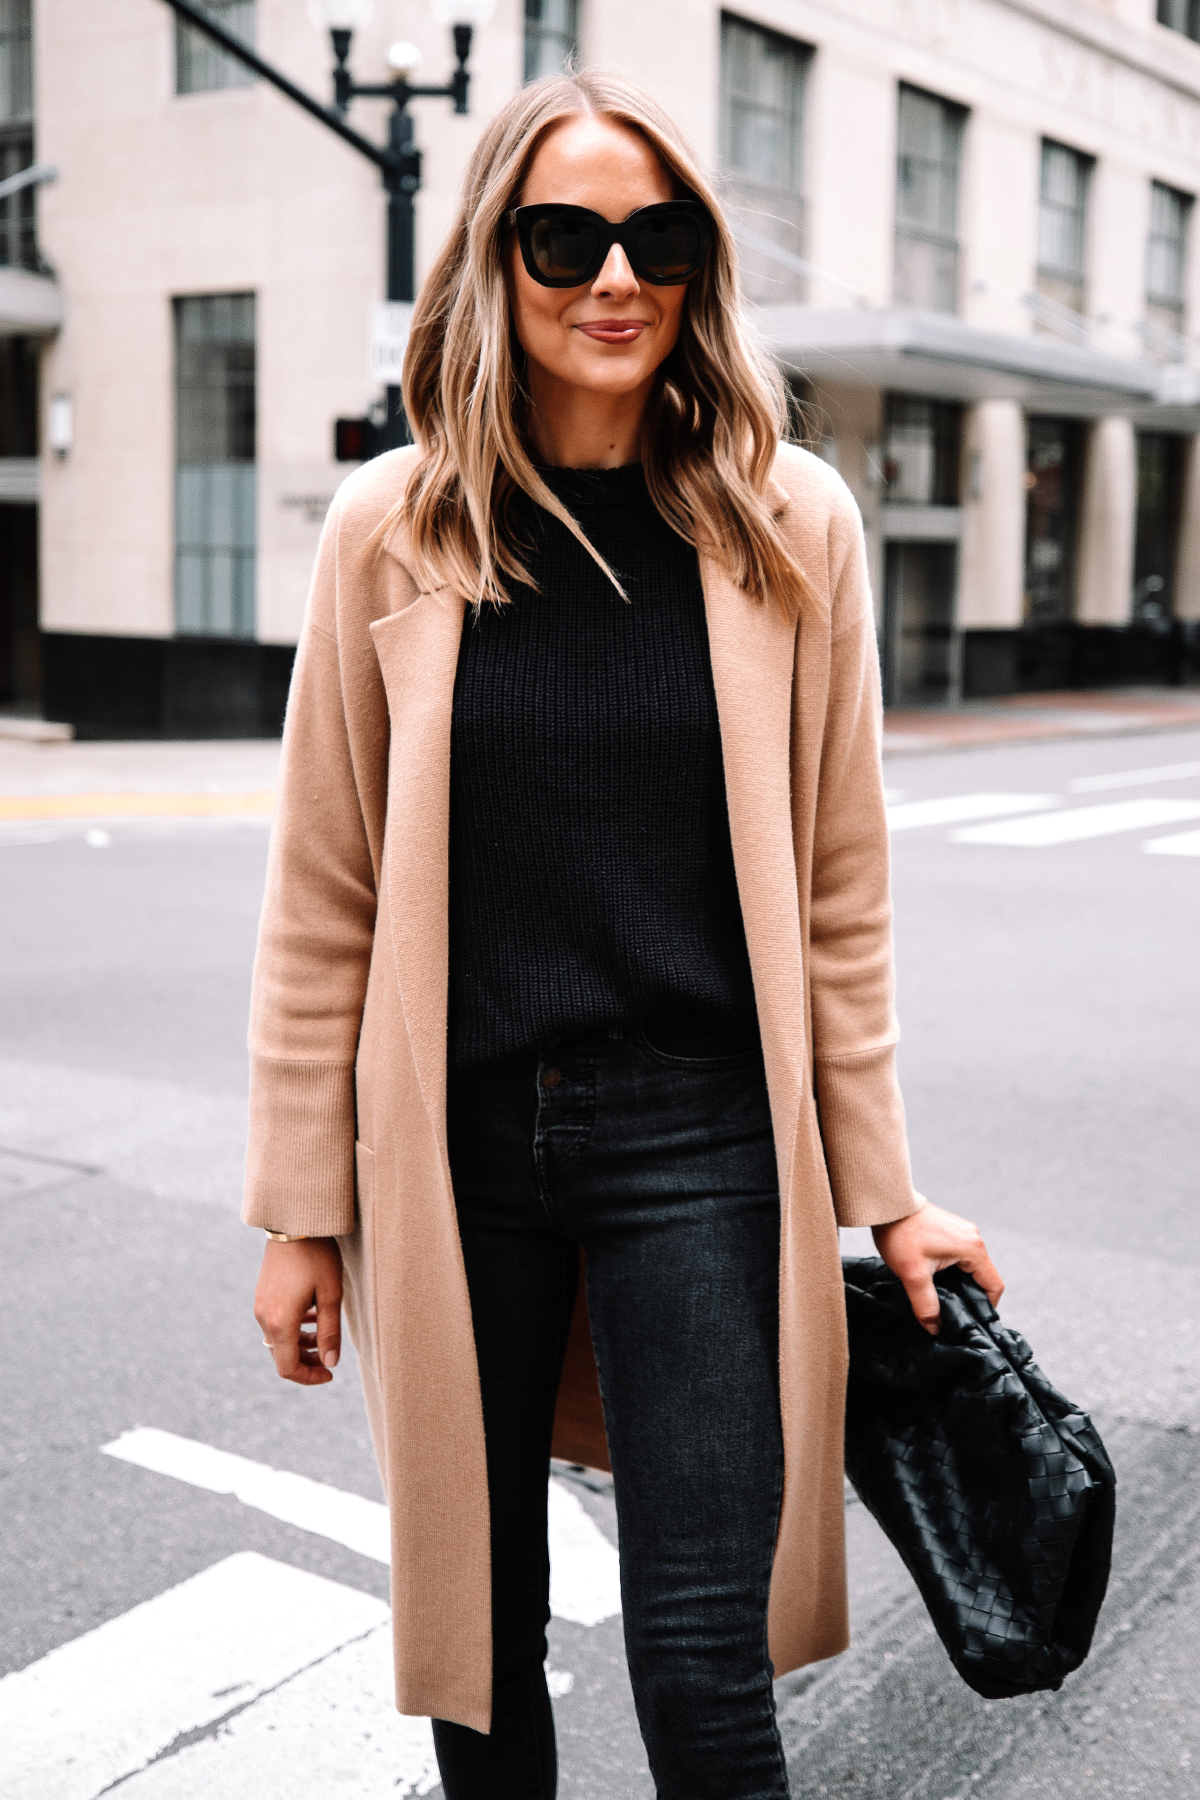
(215, 488)
(921, 451)
(18, 215)
(928, 154)
(1052, 466)
(551, 36)
(1166, 250)
(1180, 15)
(1062, 224)
(200, 65)
(762, 152)
(1159, 490)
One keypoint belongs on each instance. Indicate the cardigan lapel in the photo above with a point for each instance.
(753, 649)
(418, 655)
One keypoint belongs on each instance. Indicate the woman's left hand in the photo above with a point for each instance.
(917, 1247)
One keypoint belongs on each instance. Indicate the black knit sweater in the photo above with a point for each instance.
(591, 873)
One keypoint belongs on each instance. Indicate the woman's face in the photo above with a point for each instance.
(611, 336)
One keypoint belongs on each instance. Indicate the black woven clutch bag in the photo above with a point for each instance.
(996, 1491)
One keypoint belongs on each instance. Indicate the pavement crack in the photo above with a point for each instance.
(51, 1162)
(198, 1733)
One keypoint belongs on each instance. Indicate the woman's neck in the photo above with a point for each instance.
(578, 428)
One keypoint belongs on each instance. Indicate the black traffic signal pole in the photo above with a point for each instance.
(399, 161)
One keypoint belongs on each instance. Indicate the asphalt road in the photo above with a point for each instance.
(1051, 1063)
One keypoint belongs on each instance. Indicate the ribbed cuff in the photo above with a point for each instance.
(300, 1155)
(866, 1144)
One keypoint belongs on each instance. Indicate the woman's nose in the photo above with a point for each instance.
(616, 279)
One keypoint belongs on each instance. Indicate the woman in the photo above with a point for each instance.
(577, 915)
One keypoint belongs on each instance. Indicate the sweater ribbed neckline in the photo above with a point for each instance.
(596, 487)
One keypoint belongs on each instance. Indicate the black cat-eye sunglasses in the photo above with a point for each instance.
(566, 246)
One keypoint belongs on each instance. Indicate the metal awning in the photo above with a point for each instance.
(909, 351)
(30, 305)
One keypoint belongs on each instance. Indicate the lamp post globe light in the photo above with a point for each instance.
(399, 162)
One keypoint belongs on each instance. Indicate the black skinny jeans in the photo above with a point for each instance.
(661, 1166)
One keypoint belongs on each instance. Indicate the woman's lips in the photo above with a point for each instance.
(613, 331)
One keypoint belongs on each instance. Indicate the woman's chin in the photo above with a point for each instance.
(612, 369)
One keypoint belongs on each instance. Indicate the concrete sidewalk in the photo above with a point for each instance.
(1029, 718)
(61, 780)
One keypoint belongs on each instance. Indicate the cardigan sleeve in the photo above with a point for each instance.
(851, 956)
(314, 947)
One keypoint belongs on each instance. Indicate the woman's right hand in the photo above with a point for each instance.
(300, 1284)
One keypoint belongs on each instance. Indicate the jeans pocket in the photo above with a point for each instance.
(698, 1044)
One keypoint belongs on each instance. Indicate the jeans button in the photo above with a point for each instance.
(551, 1078)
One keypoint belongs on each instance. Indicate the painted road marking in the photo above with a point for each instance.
(1070, 826)
(332, 1729)
(1187, 843)
(104, 1706)
(958, 807)
(330, 1512)
(585, 1571)
(585, 1582)
(137, 806)
(1093, 784)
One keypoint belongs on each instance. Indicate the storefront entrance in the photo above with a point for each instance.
(920, 661)
(20, 643)
(1159, 486)
(1052, 466)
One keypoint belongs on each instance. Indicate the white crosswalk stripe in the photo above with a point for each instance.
(227, 1684)
(585, 1579)
(1075, 824)
(98, 1709)
(348, 1519)
(1093, 784)
(955, 808)
(333, 1729)
(1185, 843)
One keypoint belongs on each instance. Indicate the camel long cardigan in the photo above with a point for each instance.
(348, 1035)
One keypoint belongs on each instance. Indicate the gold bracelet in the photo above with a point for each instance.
(286, 1237)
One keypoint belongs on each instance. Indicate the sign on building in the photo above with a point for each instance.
(390, 322)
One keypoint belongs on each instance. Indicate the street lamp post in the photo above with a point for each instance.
(399, 160)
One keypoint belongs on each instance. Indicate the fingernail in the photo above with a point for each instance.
(329, 1358)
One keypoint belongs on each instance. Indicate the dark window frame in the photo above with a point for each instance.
(202, 67)
(942, 420)
(18, 213)
(775, 202)
(1064, 281)
(1053, 489)
(912, 231)
(549, 46)
(1180, 15)
(216, 429)
(1157, 520)
(1167, 305)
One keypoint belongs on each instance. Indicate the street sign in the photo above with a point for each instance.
(390, 322)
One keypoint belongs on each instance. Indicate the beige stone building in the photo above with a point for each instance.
(967, 234)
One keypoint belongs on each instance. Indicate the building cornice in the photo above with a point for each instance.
(1165, 56)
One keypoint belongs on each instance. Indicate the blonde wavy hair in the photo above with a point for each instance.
(711, 428)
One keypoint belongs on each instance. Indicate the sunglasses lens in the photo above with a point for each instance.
(668, 246)
(564, 245)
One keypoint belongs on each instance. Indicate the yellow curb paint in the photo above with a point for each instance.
(136, 806)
